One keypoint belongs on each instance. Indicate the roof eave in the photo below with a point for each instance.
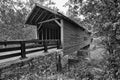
(28, 16)
(58, 14)
(72, 21)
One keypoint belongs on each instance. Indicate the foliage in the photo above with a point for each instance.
(79, 71)
(103, 18)
(12, 18)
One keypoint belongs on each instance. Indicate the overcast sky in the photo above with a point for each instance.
(59, 4)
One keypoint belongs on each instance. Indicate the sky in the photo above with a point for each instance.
(59, 4)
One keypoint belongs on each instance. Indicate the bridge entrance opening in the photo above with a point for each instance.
(49, 31)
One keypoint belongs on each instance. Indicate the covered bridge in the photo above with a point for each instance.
(53, 25)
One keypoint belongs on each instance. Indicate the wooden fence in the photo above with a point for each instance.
(24, 45)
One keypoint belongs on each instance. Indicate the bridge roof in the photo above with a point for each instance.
(41, 13)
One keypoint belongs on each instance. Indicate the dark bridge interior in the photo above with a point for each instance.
(49, 31)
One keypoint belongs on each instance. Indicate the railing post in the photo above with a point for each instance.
(23, 54)
(5, 44)
(58, 64)
(45, 45)
(58, 44)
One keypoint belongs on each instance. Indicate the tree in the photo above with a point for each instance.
(104, 18)
(13, 15)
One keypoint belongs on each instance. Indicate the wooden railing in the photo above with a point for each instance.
(24, 45)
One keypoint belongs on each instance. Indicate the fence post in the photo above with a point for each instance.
(58, 44)
(5, 45)
(45, 45)
(23, 54)
(58, 64)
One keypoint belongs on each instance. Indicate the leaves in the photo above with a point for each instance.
(12, 18)
(103, 16)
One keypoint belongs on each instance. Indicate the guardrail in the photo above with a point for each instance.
(28, 44)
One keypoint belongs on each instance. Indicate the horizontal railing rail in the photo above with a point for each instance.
(24, 45)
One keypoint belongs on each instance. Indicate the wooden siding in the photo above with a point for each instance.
(74, 38)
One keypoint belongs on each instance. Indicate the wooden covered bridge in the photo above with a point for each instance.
(53, 30)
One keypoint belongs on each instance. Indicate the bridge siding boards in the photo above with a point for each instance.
(73, 37)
